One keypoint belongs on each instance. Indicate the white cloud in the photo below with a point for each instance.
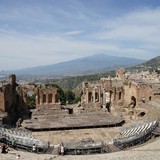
(45, 49)
(136, 34)
(73, 33)
(137, 26)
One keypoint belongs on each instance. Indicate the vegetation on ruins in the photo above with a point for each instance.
(73, 83)
(32, 101)
(70, 96)
(60, 94)
(69, 88)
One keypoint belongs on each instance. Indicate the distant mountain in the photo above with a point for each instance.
(87, 65)
(155, 62)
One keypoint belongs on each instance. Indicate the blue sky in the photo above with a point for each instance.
(43, 32)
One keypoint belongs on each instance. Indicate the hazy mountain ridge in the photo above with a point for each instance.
(154, 62)
(87, 65)
(149, 65)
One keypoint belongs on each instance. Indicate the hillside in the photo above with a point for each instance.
(87, 65)
(149, 65)
(155, 62)
(73, 82)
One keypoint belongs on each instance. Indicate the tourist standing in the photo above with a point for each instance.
(34, 148)
(143, 100)
(62, 149)
(4, 148)
(18, 157)
(14, 144)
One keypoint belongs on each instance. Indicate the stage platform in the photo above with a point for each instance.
(72, 121)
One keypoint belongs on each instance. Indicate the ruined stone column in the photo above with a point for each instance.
(87, 95)
(99, 95)
(47, 98)
(37, 102)
(40, 100)
(104, 97)
(114, 93)
(53, 98)
(94, 95)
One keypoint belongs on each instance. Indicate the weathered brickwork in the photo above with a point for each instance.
(7, 93)
(17, 95)
(120, 91)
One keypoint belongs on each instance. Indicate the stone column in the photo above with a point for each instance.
(104, 97)
(99, 95)
(37, 102)
(114, 94)
(93, 95)
(53, 98)
(87, 95)
(41, 98)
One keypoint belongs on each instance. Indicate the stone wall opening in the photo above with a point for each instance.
(50, 98)
(44, 98)
(141, 114)
(96, 97)
(133, 102)
(120, 95)
(56, 98)
(90, 97)
(31, 100)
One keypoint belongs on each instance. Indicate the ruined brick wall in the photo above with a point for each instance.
(103, 92)
(120, 74)
(92, 92)
(6, 97)
(9, 97)
(131, 90)
(46, 96)
(145, 91)
(122, 91)
(137, 90)
(155, 95)
(2, 104)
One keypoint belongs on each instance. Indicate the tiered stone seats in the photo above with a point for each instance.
(136, 133)
(23, 139)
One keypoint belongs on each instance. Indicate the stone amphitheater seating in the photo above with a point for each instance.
(24, 139)
(135, 133)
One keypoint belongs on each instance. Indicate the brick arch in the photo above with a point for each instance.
(97, 96)
(45, 96)
(90, 97)
(28, 92)
(50, 95)
(133, 101)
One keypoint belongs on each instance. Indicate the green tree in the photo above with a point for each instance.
(60, 94)
(70, 96)
(32, 101)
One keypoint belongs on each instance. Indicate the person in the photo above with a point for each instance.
(48, 144)
(4, 148)
(34, 148)
(18, 156)
(143, 100)
(14, 144)
(62, 149)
